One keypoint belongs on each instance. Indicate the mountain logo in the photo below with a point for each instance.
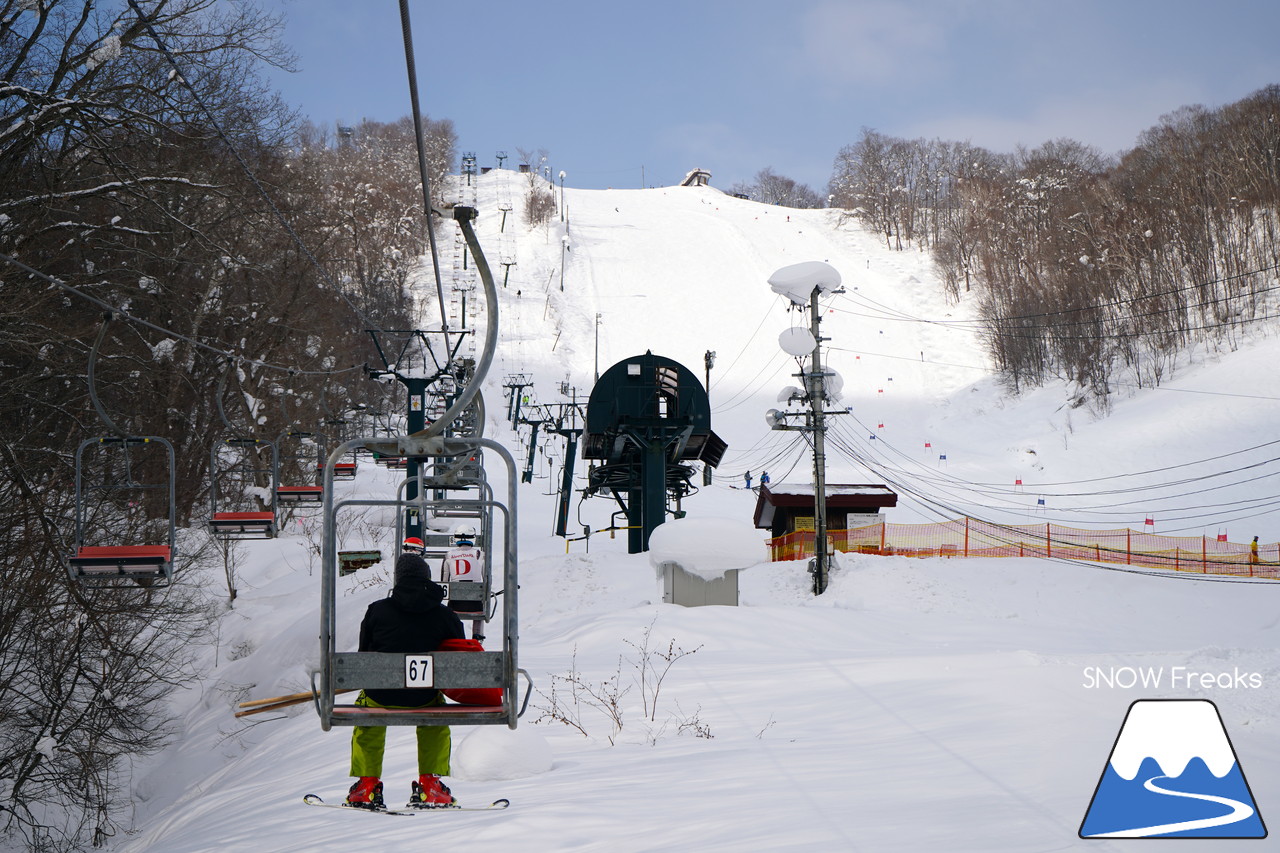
(1172, 773)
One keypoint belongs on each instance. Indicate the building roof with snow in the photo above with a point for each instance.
(841, 497)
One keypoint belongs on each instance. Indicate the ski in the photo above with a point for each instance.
(496, 805)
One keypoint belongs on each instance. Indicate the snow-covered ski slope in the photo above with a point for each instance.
(919, 705)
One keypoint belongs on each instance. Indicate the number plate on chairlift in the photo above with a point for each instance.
(419, 671)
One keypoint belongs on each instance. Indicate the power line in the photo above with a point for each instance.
(407, 33)
(948, 512)
(1230, 510)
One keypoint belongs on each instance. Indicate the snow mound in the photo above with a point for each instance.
(489, 753)
(706, 547)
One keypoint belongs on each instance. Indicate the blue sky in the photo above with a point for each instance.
(617, 92)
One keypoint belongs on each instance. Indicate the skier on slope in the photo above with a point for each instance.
(465, 563)
(411, 619)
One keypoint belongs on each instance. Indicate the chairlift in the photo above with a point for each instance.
(337, 423)
(340, 671)
(350, 562)
(438, 544)
(149, 564)
(295, 493)
(341, 471)
(233, 473)
(122, 498)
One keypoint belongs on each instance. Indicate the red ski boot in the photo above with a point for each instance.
(430, 793)
(366, 793)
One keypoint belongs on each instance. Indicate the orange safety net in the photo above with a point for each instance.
(971, 537)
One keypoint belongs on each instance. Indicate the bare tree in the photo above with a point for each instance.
(771, 188)
(117, 182)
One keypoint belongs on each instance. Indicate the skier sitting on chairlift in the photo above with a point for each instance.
(411, 619)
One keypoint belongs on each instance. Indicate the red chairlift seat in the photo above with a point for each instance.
(104, 565)
(243, 525)
(448, 714)
(300, 494)
(341, 470)
(132, 560)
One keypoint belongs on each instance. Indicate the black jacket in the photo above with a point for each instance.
(411, 619)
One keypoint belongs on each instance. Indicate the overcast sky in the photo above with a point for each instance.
(620, 92)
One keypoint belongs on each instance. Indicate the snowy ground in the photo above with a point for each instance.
(917, 705)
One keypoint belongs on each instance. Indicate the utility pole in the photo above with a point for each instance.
(709, 360)
(804, 284)
(597, 379)
(817, 400)
(564, 247)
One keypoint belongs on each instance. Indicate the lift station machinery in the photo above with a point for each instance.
(647, 418)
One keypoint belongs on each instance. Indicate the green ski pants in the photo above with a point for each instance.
(368, 743)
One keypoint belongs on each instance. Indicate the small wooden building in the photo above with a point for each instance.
(785, 508)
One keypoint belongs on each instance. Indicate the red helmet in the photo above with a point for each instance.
(414, 545)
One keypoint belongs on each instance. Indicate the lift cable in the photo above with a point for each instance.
(427, 207)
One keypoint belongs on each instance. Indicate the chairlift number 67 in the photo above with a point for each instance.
(418, 671)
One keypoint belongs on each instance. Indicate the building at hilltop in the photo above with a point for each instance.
(697, 178)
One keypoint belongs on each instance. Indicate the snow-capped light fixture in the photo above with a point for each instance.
(797, 281)
(797, 341)
(791, 392)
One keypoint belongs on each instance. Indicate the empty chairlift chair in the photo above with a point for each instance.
(335, 424)
(236, 475)
(124, 488)
(290, 454)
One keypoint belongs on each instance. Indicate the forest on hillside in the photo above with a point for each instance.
(1091, 269)
(147, 172)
